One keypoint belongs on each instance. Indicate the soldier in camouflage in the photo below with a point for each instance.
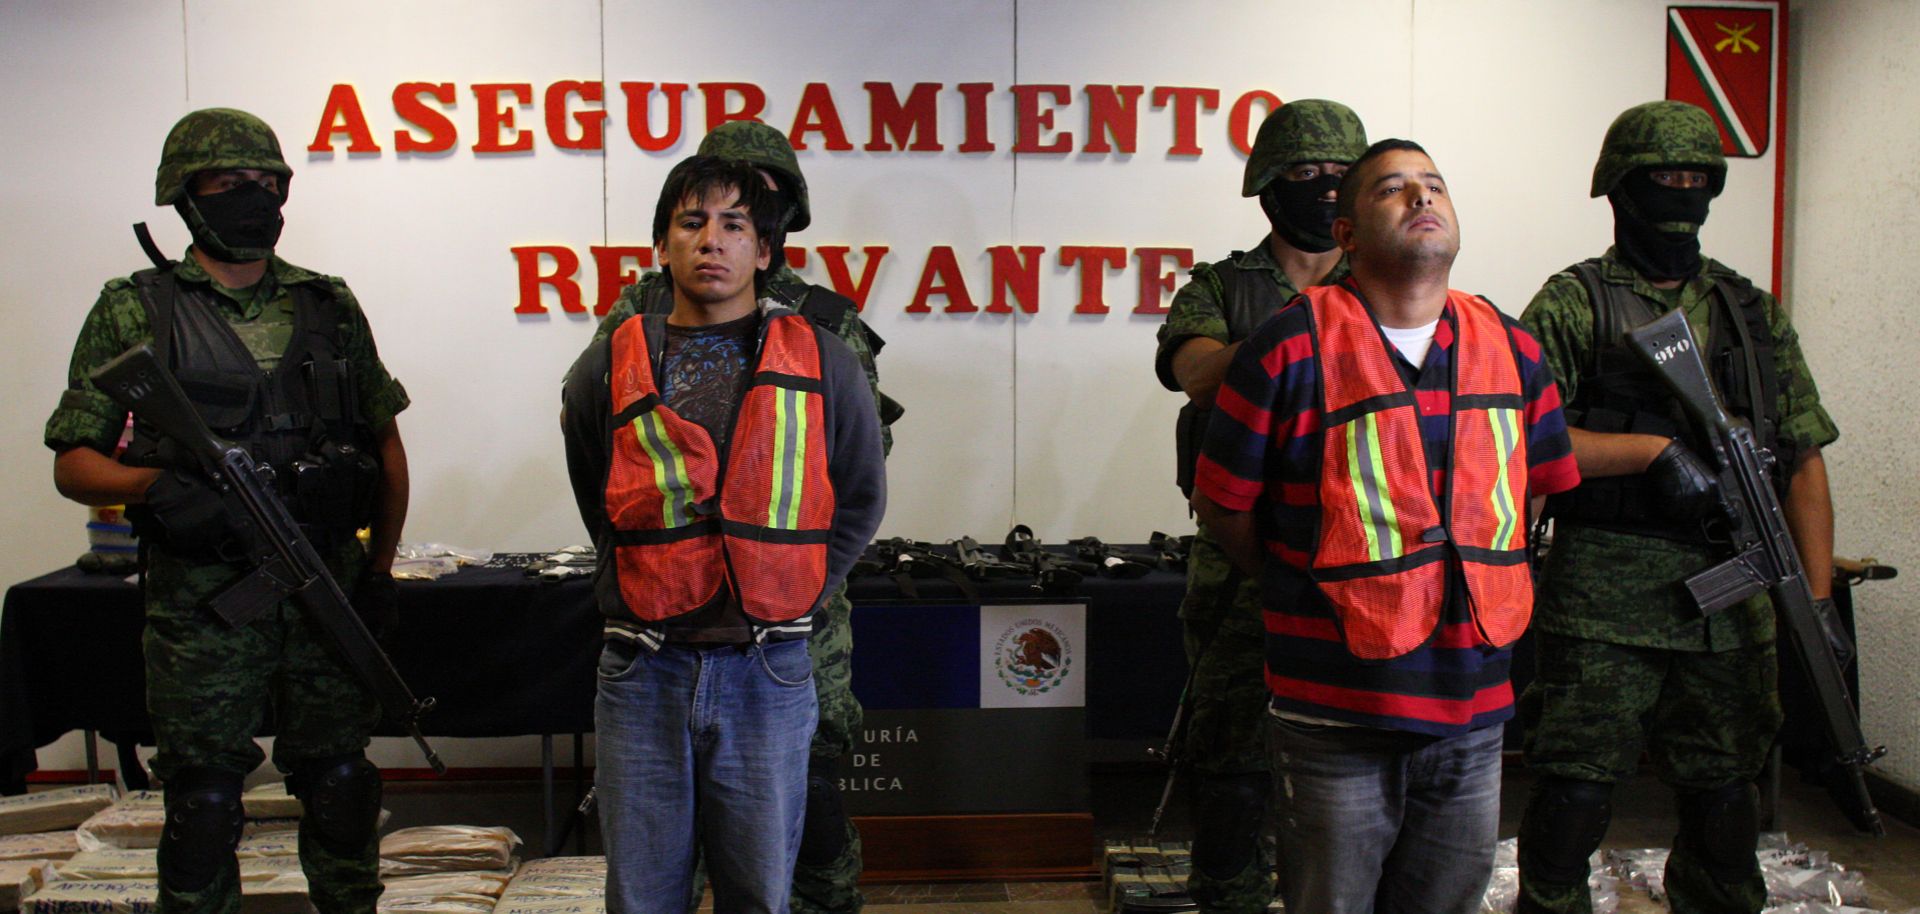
(1298, 156)
(826, 878)
(225, 318)
(1624, 656)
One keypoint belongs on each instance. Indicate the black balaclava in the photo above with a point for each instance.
(240, 225)
(1298, 214)
(1656, 230)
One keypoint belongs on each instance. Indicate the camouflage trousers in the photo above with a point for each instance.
(1707, 720)
(209, 690)
(1226, 729)
(834, 887)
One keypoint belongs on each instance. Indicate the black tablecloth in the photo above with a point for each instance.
(504, 654)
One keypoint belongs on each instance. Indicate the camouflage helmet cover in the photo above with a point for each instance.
(216, 138)
(1303, 130)
(762, 147)
(1660, 133)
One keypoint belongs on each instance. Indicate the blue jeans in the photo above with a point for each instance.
(719, 735)
(1384, 821)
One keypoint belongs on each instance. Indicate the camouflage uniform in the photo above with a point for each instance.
(819, 886)
(1622, 652)
(209, 686)
(1220, 615)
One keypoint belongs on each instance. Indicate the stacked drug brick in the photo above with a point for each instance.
(446, 869)
(557, 885)
(1142, 874)
(36, 832)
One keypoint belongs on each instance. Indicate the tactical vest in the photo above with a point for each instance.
(688, 530)
(1385, 540)
(1248, 297)
(1617, 394)
(301, 418)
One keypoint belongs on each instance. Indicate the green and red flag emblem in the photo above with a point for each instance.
(1721, 58)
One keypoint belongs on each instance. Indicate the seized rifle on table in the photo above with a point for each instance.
(285, 562)
(1764, 557)
(1051, 573)
(1173, 550)
(1112, 562)
(980, 565)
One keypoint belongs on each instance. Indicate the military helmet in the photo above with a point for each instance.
(214, 139)
(1660, 133)
(1305, 130)
(762, 147)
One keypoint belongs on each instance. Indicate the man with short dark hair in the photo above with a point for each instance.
(1298, 156)
(1625, 657)
(279, 360)
(826, 878)
(1373, 457)
(727, 459)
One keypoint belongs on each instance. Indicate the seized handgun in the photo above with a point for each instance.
(1764, 557)
(285, 562)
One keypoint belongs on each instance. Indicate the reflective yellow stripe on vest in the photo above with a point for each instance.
(1506, 439)
(789, 459)
(669, 469)
(1367, 467)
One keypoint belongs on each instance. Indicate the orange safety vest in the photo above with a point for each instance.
(683, 527)
(1381, 551)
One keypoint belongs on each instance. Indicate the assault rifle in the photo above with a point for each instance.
(979, 564)
(1112, 562)
(1764, 557)
(285, 563)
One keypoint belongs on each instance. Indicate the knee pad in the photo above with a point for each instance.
(1722, 827)
(203, 827)
(1227, 811)
(824, 837)
(342, 799)
(1564, 824)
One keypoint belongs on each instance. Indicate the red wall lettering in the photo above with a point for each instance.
(1029, 120)
(797, 257)
(565, 264)
(976, 98)
(835, 258)
(1017, 273)
(1094, 261)
(1240, 118)
(494, 119)
(1112, 111)
(640, 126)
(1156, 283)
(343, 115)
(609, 272)
(593, 124)
(408, 105)
(917, 118)
(1186, 103)
(818, 114)
(753, 100)
(942, 276)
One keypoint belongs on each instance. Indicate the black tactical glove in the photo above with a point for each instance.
(183, 514)
(1683, 483)
(376, 598)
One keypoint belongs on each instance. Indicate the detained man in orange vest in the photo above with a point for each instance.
(1373, 457)
(727, 459)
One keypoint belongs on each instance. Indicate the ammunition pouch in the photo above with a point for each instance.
(333, 487)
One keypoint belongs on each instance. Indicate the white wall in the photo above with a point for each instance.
(1051, 419)
(1854, 231)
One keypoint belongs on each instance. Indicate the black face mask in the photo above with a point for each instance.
(1656, 230)
(234, 226)
(1297, 213)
